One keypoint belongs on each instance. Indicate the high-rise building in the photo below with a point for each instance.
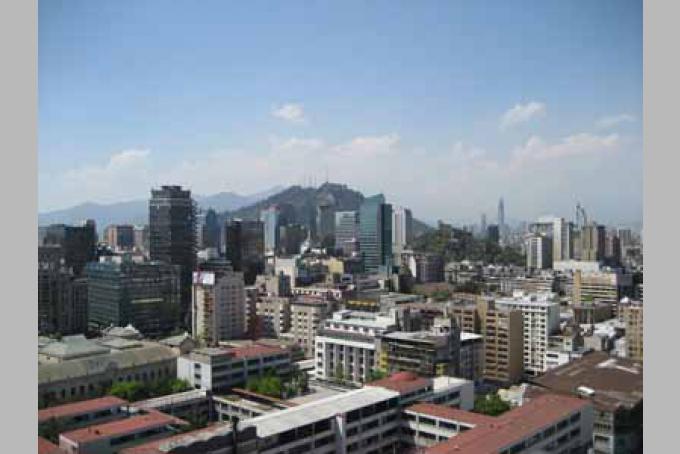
(307, 317)
(631, 313)
(141, 237)
(79, 243)
(375, 233)
(120, 237)
(493, 233)
(482, 226)
(501, 217)
(270, 221)
(122, 291)
(347, 232)
(172, 237)
(325, 219)
(244, 241)
(218, 305)
(539, 251)
(291, 237)
(502, 328)
(562, 239)
(592, 240)
(210, 231)
(62, 296)
(612, 248)
(402, 228)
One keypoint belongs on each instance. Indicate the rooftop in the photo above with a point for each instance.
(494, 433)
(616, 382)
(170, 399)
(72, 347)
(274, 423)
(450, 413)
(80, 408)
(126, 426)
(182, 440)
(402, 382)
(470, 337)
(47, 447)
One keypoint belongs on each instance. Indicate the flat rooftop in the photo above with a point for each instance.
(185, 440)
(450, 413)
(274, 423)
(500, 432)
(616, 382)
(80, 408)
(151, 420)
(319, 392)
(402, 382)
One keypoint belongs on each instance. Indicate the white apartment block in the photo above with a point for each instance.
(541, 317)
(347, 343)
(218, 306)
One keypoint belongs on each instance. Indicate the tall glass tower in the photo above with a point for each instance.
(375, 233)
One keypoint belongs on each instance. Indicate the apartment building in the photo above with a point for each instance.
(306, 319)
(541, 318)
(631, 313)
(471, 356)
(428, 353)
(466, 315)
(218, 306)
(502, 329)
(219, 369)
(272, 316)
(346, 346)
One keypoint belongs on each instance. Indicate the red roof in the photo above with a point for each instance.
(154, 447)
(122, 427)
(255, 350)
(402, 382)
(450, 413)
(80, 408)
(47, 447)
(512, 426)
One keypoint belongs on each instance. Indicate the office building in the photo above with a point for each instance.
(471, 356)
(291, 237)
(502, 329)
(501, 218)
(211, 232)
(493, 233)
(307, 316)
(245, 247)
(375, 234)
(145, 294)
(614, 386)
(402, 229)
(325, 219)
(62, 297)
(141, 237)
(562, 239)
(592, 243)
(539, 251)
(631, 313)
(78, 243)
(598, 286)
(427, 353)
(541, 318)
(220, 369)
(428, 267)
(270, 224)
(120, 237)
(172, 237)
(218, 306)
(347, 232)
(346, 346)
(273, 316)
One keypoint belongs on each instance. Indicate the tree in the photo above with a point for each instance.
(50, 430)
(490, 404)
(376, 374)
(339, 373)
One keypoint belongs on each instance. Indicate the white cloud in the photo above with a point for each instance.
(296, 144)
(522, 113)
(363, 147)
(614, 120)
(537, 149)
(291, 112)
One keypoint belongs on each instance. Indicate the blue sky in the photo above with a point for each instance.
(444, 106)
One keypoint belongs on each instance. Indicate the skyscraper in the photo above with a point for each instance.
(172, 236)
(375, 233)
(402, 228)
(501, 217)
(325, 219)
(482, 226)
(78, 243)
(244, 241)
(270, 220)
(562, 239)
(347, 232)
(120, 237)
(539, 251)
(210, 231)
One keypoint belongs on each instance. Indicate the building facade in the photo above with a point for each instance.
(218, 306)
(375, 233)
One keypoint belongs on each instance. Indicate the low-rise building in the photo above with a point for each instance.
(444, 390)
(219, 369)
(614, 386)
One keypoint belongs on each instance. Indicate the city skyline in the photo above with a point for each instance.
(545, 122)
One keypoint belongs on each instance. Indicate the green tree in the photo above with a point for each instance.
(376, 374)
(490, 404)
(50, 430)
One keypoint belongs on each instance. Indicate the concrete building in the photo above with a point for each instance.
(471, 356)
(427, 268)
(325, 219)
(428, 353)
(443, 390)
(78, 243)
(346, 346)
(604, 286)
(548, 423)
(631, 313)
(270, 222)
(402, 229)
(614, 386)
(592, 243)
(539, 251)
(120, 237)
(273, 316)
(502, 328)
(141, 238)
(220, 369)
(307, 316)
(172, 237)
(562, 239)
(62, 299)
(274, 285)
(218, 306)
(244, 247)
(122, 291)
(541, 318)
